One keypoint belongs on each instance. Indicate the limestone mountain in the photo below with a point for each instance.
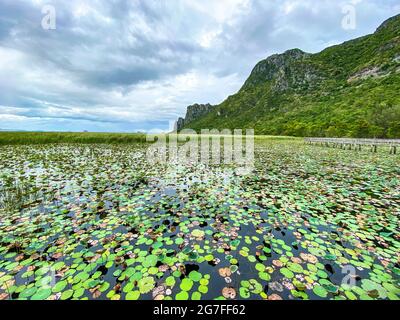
(351, 90)
(194, 112)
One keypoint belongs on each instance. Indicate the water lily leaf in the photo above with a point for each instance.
(260, 267)
(146, 284)
(320, 291)
(133, 295)
(264, 276)
(60, 286)
(186, 284)
(150, 261)
(196, 295)
(28, 292)
(183, 295)
(244, 292)
(295, 267)
(195, 276)
(287, 273)
(203, 289)
(198, 233)
(41, 294)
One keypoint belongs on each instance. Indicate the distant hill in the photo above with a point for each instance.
(351, 90)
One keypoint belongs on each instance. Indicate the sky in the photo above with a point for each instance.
(130, 65)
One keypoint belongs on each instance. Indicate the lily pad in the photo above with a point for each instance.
(146, 284)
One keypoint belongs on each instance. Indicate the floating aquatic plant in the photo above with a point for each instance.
(112, 227)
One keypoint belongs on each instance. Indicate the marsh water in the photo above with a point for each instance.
(100, 222)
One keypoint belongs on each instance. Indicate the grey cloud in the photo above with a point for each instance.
(144, 60)
(82, 46)
(120, 77)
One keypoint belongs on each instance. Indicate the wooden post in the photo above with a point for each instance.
(355, 144)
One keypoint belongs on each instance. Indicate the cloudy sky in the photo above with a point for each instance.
(129, 65)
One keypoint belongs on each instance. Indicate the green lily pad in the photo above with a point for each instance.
(244, 292)
(133, 295)
(287, 273)
(183, 295)
(320, 291)
(195, 276)
(28, 292)
(186, 284)
(41, 294)
(198, 233)
(146, 284)
(60, 286)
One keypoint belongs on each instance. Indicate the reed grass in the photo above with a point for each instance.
(21, 138)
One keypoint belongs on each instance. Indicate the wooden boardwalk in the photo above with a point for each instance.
(356, 144)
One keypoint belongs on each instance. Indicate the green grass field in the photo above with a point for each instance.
(15, 138)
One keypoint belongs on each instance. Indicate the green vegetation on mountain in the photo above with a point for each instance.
(348, 90)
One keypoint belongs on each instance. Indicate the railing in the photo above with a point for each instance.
(348, 143)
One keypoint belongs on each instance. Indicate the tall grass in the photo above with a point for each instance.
(13, 138)
(16, 196)
(26, 138)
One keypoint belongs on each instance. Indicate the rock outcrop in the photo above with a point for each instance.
(289, 70)
(179, 124)
(371, 72)
(193, 113)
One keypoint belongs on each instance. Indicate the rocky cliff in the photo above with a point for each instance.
(291, 69)
(194, 112)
